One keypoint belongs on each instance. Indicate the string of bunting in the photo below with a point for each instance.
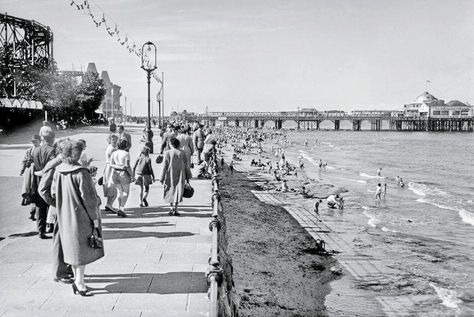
(104, 21)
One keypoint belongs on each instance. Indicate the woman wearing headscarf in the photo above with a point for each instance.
(78, 213)
(174, 175)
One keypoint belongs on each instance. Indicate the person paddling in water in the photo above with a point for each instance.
(378, 193)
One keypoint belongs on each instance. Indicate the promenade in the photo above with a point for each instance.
(154, 264)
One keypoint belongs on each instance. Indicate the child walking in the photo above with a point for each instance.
(144, 175)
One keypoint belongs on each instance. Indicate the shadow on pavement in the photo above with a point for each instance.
(184, 213)
(158, 212)
(120, 225)
(24, 234)
(157, 283)
(129, 234)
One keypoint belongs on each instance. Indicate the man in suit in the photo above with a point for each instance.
(198, 140)
(122, 135)
(41, 156)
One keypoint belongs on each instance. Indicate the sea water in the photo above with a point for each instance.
(422, 235)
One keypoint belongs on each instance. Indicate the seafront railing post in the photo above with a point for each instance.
(214, 272)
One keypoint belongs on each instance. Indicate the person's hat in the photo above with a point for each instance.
(159, 159)
(36, 137)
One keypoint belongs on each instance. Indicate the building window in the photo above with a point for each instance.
(456, 113)
(465, 113)
(445, 113)
(436, 113)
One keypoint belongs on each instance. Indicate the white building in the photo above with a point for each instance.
(427, 105)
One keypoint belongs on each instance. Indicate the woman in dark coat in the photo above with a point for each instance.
(174, 175)
(78, 213)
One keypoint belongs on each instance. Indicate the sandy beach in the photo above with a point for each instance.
(276, 270)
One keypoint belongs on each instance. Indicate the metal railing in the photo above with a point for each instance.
(214, 272)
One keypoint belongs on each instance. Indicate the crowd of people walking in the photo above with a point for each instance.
(62, 185)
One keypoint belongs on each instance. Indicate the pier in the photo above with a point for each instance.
(393, 120)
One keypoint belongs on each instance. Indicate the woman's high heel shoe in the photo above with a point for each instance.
(76, 291)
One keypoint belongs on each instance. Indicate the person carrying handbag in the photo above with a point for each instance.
(78, 213)
(174, 175)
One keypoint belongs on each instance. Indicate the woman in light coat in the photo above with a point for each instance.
(174, 175)
(78, 213)
(186, 143)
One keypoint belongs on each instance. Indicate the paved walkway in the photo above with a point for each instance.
(154, 265)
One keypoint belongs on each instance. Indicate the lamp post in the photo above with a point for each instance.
(149, 65)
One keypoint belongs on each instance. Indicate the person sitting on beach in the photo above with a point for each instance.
(284, 186)
(305, 193)
(401, 183)
(236, 157)
(253, 163)
(334, 201)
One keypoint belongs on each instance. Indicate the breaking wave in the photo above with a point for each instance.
(373, 221)
(435, 196)
(449, 298)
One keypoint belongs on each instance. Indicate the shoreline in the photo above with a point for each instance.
(275, 267)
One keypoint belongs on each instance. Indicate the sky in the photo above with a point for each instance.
(272, 55)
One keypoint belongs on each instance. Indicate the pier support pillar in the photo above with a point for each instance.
(278, 124)
(356, 125)
(237, 122)
(375, 124)
(337, 124)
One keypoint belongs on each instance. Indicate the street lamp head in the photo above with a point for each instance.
(149, 56)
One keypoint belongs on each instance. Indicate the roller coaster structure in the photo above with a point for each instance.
(23, 43)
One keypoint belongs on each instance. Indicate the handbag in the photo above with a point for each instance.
(95, 240)
(159, 159)
(188, 191)
(139, 180)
